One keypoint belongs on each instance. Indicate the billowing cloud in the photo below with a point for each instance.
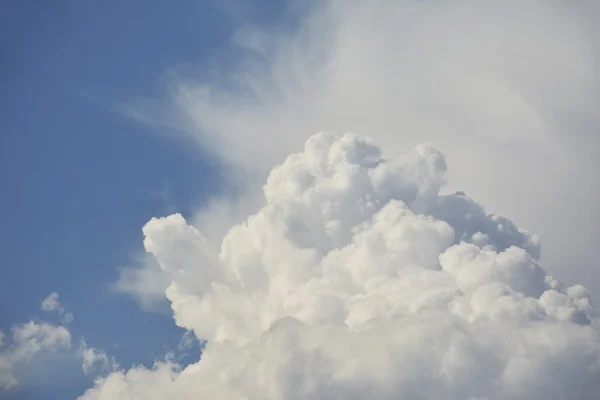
(509, 91)
(359, 278)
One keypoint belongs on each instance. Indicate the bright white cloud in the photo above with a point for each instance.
(509, 90)
(187, 341)
(359, 279)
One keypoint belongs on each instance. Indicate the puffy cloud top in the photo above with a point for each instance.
(358, 279)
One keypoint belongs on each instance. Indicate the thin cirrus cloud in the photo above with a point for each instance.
(359, 279)
(145, 282)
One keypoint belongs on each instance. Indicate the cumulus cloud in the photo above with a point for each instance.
(509, 91)
(359, 278)
(187, 341)
(28, 341)
(38, 341)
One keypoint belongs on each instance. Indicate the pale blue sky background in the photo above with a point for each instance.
(79, 179)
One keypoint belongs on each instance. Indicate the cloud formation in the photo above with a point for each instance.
(28, 341)
(145, 282)
(31, 341)
(95, 360)
(52, 304)
(358, 278)
(509, 91)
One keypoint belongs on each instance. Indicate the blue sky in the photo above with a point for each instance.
(79, 178)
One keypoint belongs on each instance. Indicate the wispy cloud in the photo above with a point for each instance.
(37, 342)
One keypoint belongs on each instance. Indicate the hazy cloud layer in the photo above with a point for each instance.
(358, 279)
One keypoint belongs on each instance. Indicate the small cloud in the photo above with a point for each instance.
(29, 340)
(95, 360)
(67, 318)
(52, 304)
(187, 340)
(145, 282)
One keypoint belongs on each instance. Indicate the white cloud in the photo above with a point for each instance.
(145, 282)
(187, 341)
(509, 90)
(95, 361)
(28, 341)
(41, 342)
(358, 279)
(52, 304)
(67, 318)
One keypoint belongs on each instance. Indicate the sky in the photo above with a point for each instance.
(180, 179)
